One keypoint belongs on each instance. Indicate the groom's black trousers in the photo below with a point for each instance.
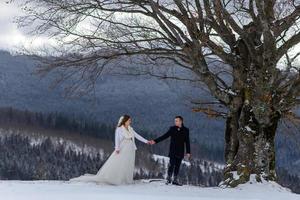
(174, 166)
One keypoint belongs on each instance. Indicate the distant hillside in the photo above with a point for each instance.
(151, 102)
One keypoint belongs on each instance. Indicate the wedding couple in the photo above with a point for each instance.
(119, 168)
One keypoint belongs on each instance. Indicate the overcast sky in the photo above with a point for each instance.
(10, 36)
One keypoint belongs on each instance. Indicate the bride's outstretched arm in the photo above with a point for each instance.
(140, 138)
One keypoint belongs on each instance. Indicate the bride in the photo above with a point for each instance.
(119, 167)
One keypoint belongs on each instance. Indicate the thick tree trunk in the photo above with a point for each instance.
(249, 146)
(232, 125)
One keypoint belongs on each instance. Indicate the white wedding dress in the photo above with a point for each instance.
(119, 168)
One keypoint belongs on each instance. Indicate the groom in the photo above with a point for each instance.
(179, 139)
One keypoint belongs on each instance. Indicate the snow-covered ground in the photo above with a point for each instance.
(59, 190)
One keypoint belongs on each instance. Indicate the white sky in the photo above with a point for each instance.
(10, 36)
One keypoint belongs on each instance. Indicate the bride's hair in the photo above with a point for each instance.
(125, 118)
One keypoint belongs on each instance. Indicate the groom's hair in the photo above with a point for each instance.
(179, 117)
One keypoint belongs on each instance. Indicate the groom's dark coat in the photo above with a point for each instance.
(179, 139)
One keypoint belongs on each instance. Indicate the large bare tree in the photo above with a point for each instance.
(244, 51)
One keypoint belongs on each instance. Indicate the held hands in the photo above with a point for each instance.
(151, 142)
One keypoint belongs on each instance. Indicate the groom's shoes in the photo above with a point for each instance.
(175, 182)
(169, 180)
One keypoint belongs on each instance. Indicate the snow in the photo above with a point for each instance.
(60, 190)
(165, 160)
(235, 175)
(249, 129)
(36, 138)
(211, 166)
(228, 91)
